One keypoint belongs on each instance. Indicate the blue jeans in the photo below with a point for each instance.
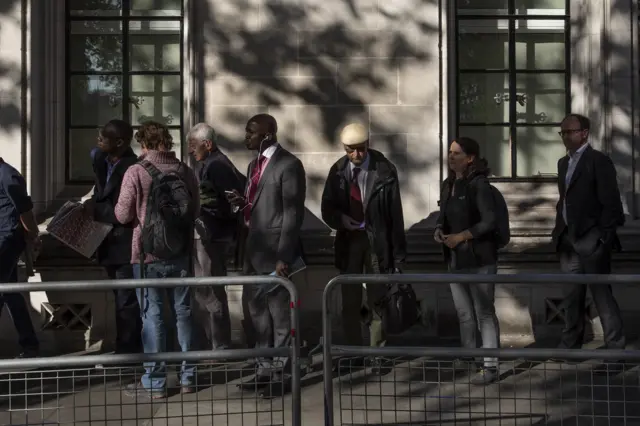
(154, 339)
(476, 312)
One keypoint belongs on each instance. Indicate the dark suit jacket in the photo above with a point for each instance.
(384, 219)
(116, 248)
(277, 213)
(217, 174)
(594, 208)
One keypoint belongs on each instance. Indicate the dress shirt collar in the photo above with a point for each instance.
(578, 152)
(271, 150)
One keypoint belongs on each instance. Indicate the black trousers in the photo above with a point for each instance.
(599, 262)
(128, 320)
(10, 249)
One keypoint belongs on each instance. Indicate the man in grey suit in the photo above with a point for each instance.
(273, 210)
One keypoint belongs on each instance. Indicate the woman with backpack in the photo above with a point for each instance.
(467, 228)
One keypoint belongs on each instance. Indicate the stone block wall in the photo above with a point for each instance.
(316, 65)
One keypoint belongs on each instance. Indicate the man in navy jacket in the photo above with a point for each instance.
(17, 225)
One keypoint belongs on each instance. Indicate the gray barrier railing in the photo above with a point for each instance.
(330, 350)
(10, 366)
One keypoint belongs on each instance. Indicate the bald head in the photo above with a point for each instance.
(202, 141)
(261, 132)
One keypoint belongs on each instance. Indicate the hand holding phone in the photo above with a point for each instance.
(235, 198)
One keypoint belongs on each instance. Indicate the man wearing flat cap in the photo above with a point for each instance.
(361, 201)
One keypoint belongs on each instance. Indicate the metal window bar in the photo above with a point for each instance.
(424, 386)
(90, 389)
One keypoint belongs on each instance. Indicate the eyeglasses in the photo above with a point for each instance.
(569, 131)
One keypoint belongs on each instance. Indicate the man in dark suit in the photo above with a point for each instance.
(361, 201)
(273, 210)
(111, 158)
(215, 229)
(587, 214)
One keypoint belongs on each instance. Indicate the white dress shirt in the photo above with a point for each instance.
(571, 168)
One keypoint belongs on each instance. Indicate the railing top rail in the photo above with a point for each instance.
(118, 359)
(445, 353)
(561, 279)
(99, 285)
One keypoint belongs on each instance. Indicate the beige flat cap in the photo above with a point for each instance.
(354, 134)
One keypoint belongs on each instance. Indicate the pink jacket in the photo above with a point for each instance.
(136, 184)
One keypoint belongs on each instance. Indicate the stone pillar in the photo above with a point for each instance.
(13, 83)
(604, 83)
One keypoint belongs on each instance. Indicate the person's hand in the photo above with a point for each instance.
(438, 236)
(282, 269)
(235, 198)
(452, 240)
(349, 223)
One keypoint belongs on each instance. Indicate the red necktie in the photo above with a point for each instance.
(356, 210)
(253, 186)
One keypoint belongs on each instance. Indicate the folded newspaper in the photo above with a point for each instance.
(72, 227)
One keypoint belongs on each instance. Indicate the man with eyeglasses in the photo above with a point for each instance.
(587, 214)
(361, 201)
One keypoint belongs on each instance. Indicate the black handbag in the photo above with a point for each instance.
(400, 309)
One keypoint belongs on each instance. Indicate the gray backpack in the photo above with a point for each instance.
(168, 224)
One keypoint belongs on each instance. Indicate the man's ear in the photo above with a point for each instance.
(120, 143)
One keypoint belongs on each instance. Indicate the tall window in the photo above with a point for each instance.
(513, 82)
(124, 61)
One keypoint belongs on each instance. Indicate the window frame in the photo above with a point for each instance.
(512, 17)
(125, 17)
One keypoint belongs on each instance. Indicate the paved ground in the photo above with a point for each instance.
(414, 392)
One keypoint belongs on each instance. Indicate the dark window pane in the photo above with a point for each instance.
(95, 7)
(81, 142)
(483, 98)
(542, 98)
(95, 46)
(156, 97)
(483, 44)
(155, 45)
(156, 7)
(539, 149)
(495, 146)
(540, 45)
(540, 7)
(482, 7)
(95, 99)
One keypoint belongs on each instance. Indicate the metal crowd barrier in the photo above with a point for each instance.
(421, 385)
(91, 389)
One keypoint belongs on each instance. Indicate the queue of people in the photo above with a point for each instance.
(172, 220)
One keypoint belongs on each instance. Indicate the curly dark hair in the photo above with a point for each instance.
(154, 136)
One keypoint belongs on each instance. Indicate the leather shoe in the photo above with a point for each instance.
(255, 383)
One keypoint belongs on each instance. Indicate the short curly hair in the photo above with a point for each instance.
(154, 136)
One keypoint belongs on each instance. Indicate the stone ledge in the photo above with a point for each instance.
(527, 246)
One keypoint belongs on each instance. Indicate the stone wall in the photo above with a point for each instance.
(315, 65)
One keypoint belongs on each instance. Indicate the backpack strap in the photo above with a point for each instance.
(156, 175)
(153, 171)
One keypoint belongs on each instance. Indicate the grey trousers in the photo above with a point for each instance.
(211, 302)
(271, 317)
(476, 311)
